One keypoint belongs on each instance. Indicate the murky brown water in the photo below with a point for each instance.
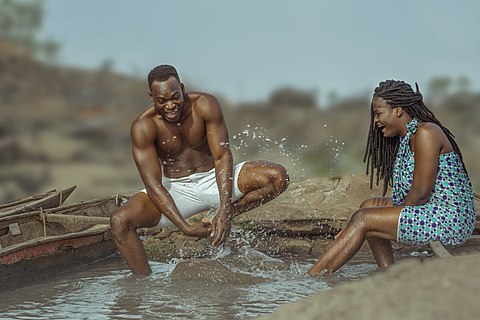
(108, 290)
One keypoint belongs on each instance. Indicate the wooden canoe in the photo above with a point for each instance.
(46, 200)
(38, 244)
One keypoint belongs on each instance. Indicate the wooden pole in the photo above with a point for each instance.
(76, 219)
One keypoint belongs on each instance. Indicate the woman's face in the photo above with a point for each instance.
(387, 119)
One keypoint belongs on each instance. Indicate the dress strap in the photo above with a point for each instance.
(404, 141)
(412, 126)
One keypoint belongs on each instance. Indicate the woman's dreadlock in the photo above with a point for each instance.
(380, 151)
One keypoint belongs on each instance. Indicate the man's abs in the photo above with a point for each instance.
(182, 169)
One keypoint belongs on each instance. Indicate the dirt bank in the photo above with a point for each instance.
(434, 289)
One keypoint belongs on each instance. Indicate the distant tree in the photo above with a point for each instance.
(288, 96)
(106, 66)
(332, 97)
(463, 84)
(20, 22)
(438, 88)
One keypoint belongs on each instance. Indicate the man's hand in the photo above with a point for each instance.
(220, 230)
(200, 229)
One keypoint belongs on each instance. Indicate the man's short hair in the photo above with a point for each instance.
(162, 73)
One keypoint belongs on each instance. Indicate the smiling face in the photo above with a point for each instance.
(390, 120)
(167, 97)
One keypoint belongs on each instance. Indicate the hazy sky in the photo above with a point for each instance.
(245, 49)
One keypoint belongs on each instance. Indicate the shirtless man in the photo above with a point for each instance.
(181, 148)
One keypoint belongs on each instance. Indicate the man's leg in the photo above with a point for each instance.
(138, 212)
(260, 182)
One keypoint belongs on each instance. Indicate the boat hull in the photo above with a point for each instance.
(40, 244)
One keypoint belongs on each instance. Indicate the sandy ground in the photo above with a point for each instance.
(411, 289)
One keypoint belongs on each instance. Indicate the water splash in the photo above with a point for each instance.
(255, 143)
(336, 147)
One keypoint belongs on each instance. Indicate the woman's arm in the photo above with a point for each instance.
(427, 144)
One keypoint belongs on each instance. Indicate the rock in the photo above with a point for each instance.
(292, 246)
(176, 245)
(313, 206)
(211, 271)
(249, 259)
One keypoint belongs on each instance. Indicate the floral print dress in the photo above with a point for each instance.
(449, 214)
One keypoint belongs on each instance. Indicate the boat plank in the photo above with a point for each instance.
(47, 200)
(439, 250)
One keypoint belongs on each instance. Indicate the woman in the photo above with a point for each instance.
(432, 197)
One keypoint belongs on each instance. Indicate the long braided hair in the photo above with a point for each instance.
(380, 151)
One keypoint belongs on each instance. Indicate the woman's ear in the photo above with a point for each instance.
(398, 112)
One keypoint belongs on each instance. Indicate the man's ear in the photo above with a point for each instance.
(183, 88)
(150, 95)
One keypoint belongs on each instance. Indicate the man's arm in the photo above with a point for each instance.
(143, 134)
(218, 142)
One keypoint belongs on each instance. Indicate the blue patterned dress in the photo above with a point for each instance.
(449, 214)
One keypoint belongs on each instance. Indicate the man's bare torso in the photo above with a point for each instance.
(182, 147)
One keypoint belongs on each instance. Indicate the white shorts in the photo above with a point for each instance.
(197, 192)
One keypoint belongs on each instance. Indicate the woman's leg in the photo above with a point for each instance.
(370, 222)
(382, 251)
(381, 248)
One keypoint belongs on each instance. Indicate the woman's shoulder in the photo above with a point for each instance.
(430, 134)
(429, 129)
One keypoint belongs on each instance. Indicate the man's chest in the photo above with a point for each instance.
(175, 139)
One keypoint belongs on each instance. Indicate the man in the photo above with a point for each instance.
(181, 148)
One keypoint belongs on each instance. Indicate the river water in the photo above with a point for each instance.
(108, 290)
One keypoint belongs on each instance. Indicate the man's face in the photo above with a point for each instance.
(167, 97)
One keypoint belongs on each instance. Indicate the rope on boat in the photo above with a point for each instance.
(42, 216)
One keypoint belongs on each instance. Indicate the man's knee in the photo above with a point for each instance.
(119, 221)
(280, 177)
(259, 174)
(123, 218)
